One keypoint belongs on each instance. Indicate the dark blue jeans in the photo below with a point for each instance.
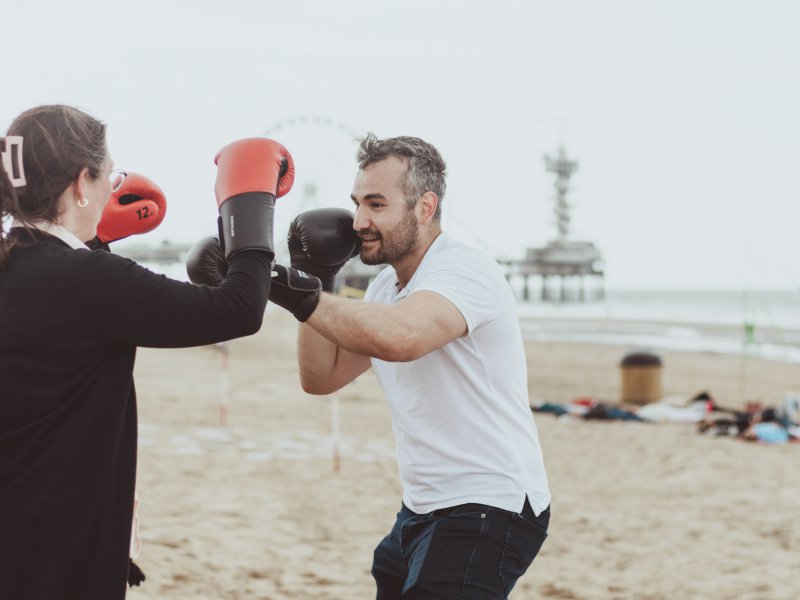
(471, 551)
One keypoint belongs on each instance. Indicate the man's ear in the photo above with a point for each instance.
(427, 206)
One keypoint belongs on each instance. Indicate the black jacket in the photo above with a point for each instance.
(70, 322)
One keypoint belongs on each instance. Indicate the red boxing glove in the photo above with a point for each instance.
(137, 207)
(253, 165)
(251, 173)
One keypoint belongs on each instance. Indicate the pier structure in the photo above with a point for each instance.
(569, 263)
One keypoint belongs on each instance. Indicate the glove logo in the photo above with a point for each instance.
(233, 228)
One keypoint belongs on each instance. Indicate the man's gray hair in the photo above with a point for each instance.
(425, 171)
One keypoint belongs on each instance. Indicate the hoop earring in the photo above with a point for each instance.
(83, 202)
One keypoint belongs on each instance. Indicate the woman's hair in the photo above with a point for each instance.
(58, 143)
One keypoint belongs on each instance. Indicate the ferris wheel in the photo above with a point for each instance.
(324, 152)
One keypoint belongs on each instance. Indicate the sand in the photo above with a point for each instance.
(254, 508)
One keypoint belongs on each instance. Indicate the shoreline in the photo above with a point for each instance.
(768, 342)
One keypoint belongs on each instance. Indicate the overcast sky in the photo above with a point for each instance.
(683, 114)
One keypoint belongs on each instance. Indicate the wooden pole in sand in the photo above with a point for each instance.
(224, 382)
(748, 337)
(335, 434)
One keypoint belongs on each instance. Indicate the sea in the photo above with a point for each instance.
(759, 323)
(750, 322)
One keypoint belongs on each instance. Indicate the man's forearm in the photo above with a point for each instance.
(365, 328)
(316, 356)
(325, 365)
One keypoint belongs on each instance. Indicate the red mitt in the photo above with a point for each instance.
(138, 206)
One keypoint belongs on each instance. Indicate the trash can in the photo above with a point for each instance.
(641, 378)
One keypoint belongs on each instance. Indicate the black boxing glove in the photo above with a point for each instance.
(205, 262)
(294, 290)
(321, 241)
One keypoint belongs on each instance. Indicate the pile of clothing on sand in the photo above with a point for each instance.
(778, 424)
(585, 408)
(773, 425)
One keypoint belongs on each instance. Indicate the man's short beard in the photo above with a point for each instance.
(396, 244)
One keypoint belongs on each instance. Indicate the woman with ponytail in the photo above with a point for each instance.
(71, 319)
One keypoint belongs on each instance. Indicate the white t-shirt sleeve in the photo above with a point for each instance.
(378, 285)
(468, 280)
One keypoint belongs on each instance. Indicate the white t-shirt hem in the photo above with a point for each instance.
(516, 505)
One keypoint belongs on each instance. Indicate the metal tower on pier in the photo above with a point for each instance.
(563, 168)
(570, 261)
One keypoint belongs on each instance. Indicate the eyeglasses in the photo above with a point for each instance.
(117, 178)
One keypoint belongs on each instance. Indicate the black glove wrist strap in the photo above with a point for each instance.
(296, 291)
(245, 222)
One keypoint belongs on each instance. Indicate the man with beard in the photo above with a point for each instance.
(439, 326)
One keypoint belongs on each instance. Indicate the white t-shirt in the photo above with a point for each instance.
(462, 423)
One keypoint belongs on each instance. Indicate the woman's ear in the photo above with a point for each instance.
(80, 185)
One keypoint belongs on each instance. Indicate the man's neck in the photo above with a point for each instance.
(407, 266)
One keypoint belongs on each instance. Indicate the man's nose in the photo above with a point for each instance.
(359, 220)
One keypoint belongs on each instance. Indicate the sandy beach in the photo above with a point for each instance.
(254, 508)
